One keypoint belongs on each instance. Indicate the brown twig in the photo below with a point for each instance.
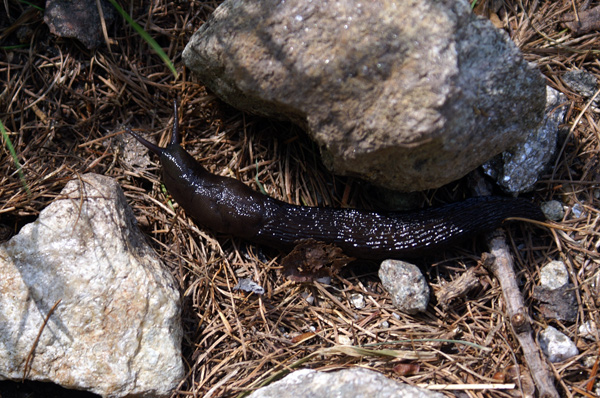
(500, 262)
(37, 339)
(503, 269)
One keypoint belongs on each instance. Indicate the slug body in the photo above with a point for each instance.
(228, 206)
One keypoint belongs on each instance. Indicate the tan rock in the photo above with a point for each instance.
(405, 94)
(115, 327)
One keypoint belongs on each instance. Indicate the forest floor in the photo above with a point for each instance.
(65, 108)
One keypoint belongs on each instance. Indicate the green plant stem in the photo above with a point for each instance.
(13, 153)
(146, 37)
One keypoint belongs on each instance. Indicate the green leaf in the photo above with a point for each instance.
(146, 37)
(13, 153)
(32, 5)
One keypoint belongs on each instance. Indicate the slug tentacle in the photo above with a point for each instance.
(154, 148)
(226, 205)
(175, 137)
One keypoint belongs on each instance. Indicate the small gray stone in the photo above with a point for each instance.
(560, 303)
(581, 81)
(310, 299)
(588, 330)
(588, 362)
(406, 284)
(408, 95)
(79, 19)
(358, 301)
(554, 275)
(556, 345)
(577, 210)
(553, 210)
(555, 295)
(348, 383)
(116, 328)
(248, 285)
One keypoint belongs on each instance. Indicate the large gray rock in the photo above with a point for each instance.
(408, 95)
(115, 329)
(348, 383)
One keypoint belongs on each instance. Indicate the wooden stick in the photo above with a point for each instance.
(503, 269)
(37, 339)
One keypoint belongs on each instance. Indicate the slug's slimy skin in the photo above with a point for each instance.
(226, 205)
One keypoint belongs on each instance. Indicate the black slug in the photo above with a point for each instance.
(228, 206)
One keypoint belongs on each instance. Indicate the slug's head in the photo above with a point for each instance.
(174, 139)
(176, 162)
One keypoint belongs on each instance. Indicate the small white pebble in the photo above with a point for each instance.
(588, 330)
(556, 345)
(577, 210)
(310, 299)
(589, 361)
(358, 301)
(345, 340)
(554, 275)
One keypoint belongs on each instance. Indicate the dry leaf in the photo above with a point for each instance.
(585, 21)
(407, 369)
(311, 260)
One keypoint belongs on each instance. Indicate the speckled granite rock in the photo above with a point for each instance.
(554, 275)
(115, 329)
(408, 95)
(556, 345)
(406, 284)
(348, 383)
(518, 169)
